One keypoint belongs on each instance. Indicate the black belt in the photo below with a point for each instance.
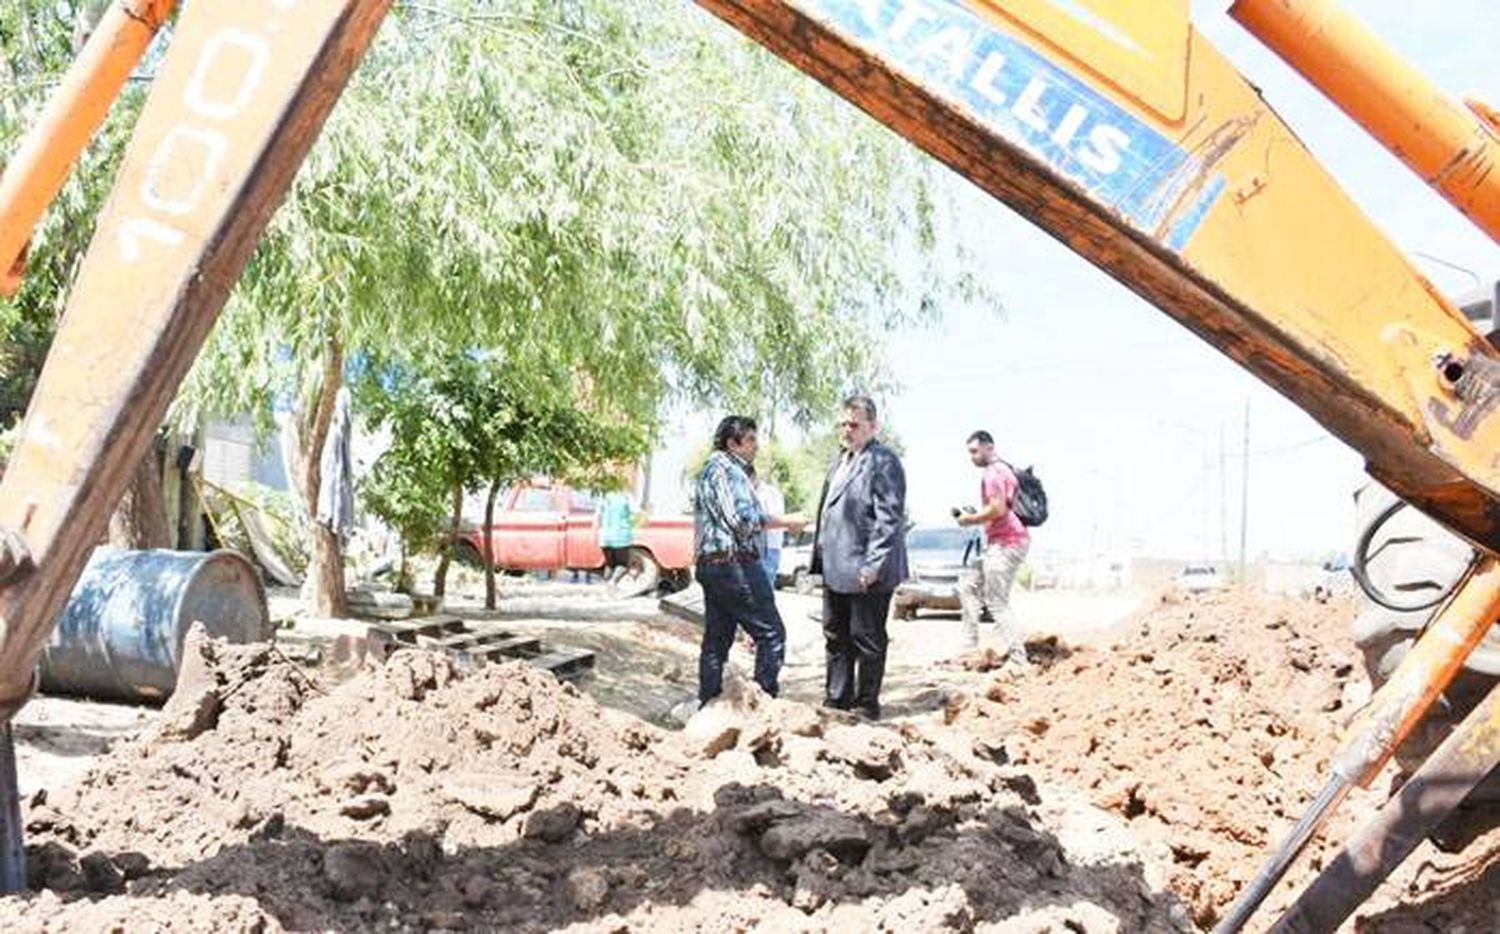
(726, 558)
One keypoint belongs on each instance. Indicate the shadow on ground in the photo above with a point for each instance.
(754, 858)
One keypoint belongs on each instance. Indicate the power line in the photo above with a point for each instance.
(1288, 448)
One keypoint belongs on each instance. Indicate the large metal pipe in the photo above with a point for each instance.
(1455, 149)
(37, 171)
(121, 635)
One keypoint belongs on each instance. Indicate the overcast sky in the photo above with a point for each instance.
(1125, 413)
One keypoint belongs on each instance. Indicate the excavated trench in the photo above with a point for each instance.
(1131, 784)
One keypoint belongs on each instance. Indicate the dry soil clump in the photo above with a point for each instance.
(413, 797)
(1209, 724)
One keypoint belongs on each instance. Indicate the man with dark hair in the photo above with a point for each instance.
(987, 583)
(728, 523)
(860, 549)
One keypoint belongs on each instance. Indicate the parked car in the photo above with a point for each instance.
(937, 555)
(545, 526)
(1335, 580)
(795, 571)
(1200, 578)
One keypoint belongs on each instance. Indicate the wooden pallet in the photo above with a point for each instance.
(565, 662)
(475, 642)
(400, 632)
(685, 604)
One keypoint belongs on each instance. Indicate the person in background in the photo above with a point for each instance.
(774, 504)
(616, 533)
(987, 584)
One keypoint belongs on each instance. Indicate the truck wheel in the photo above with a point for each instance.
(644, 572)
(802, 581)
(674, 581)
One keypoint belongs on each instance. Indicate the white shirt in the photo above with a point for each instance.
(774, 504)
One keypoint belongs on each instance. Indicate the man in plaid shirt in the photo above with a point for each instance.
(728, 527)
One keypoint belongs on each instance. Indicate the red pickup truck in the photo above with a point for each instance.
(542, 526)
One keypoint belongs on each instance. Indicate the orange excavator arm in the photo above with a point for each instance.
(74, 113)
(1123, 133)
(238, 101)
(1111, 124)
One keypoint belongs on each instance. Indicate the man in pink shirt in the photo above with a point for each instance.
(987, 583)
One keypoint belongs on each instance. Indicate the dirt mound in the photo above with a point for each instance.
(1208, 724)
(413, 797)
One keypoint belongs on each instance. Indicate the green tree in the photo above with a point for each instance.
(622, 195)
(413, 483)
(38, 40)
(468, 423)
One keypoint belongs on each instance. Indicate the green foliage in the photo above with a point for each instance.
(806, 466)
(627, 190)
(622, 200)
(277, 511)
(464, 422)
(36, 47)
(775, 467)
(407, 497)
(8, 437)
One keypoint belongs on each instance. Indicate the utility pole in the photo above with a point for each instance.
(1204, 546)
(1223, 498)
(1244, 491)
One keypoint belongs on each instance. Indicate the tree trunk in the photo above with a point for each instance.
(489, 545)
(324, 588)
(191, 534)
(403, 576)
(140, 519)
(440, 576)
(325, 575)
(171, 490)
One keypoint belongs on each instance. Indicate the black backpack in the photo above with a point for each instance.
(1030, 501)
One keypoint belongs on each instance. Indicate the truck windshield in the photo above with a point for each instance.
(534, 499)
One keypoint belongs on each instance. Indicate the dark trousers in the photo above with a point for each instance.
(854, 631)
(738, 595)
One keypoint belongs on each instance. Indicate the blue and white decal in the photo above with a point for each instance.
(1027, 99)
(1183, 227)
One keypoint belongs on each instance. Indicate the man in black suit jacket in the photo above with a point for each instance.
(860, 549)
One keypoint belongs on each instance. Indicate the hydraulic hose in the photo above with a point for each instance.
(1359, 567)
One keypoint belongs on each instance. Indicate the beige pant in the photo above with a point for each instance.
(987, 583)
